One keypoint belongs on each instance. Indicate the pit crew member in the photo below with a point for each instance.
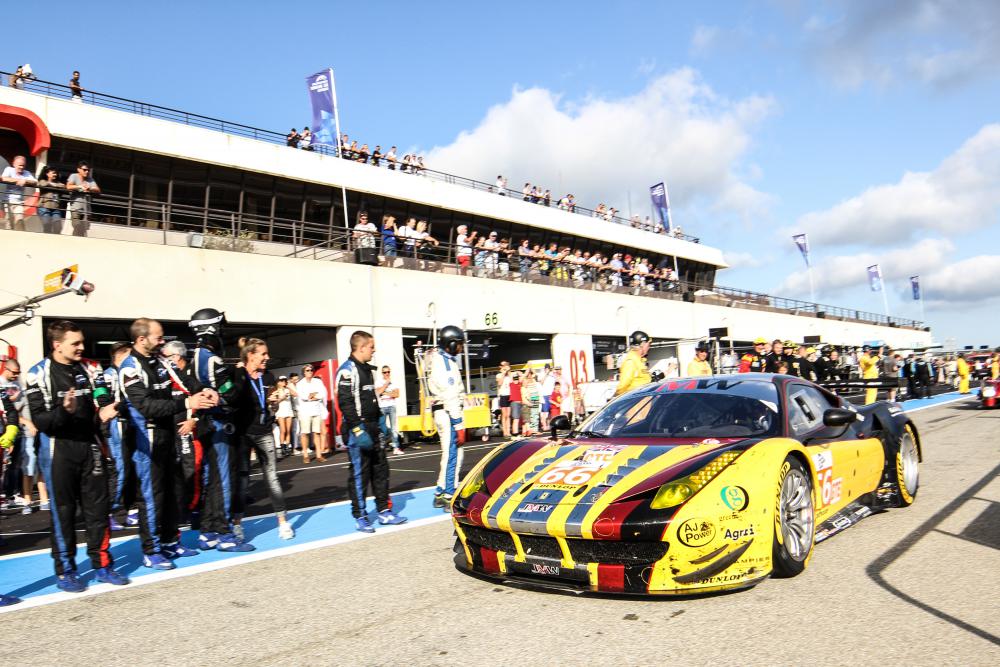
(633, 371)
(447, 394)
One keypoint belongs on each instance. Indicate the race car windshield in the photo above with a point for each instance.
(736, 410)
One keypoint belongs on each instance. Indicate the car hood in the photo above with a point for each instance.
(580, 471)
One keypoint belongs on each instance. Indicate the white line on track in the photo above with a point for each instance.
(157, 577)
(409, 470)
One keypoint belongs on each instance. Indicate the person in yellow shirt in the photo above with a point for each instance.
(868, 362)
(699, 366)
(633, 371)
(963, 375)
(995, 366)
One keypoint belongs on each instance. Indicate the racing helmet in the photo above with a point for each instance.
(207, 325)
(450, 338)
(638, 338)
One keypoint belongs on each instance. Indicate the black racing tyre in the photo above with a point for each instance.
(794, 519)
(902, 465)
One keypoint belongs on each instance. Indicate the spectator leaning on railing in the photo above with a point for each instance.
(16, 177)
(81, 186)
(50, 202)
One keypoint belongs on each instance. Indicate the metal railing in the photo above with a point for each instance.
(227, 230)
(105, 100)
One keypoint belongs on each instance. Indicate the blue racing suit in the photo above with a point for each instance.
(220, 459)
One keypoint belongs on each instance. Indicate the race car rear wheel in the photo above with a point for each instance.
(903, 466)
(794, 521)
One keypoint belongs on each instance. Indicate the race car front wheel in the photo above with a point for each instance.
(794, 523)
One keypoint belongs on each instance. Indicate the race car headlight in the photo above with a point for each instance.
(676, 492)
(476, 484)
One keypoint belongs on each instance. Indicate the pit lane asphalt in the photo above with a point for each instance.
(909, 586)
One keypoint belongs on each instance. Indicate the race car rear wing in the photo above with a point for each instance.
(873, 383)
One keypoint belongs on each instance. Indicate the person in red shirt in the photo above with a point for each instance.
(555, 401)
(515, 403)
(754, 362)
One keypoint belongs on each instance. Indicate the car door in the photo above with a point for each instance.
(846, 467)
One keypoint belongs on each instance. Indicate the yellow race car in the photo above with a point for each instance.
(685, 486)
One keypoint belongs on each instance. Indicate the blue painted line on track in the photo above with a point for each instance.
(30, 575)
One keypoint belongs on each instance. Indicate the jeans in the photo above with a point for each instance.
(390, 417)
(52, 220)
(263, 443)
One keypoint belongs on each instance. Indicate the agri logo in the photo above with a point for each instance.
(735, 497)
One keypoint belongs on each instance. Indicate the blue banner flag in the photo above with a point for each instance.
(915, 285)
(661, 204)
(875, 277)
(803, 243)
(324, 129)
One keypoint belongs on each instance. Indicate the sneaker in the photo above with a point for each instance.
(45, 507)
(132, 519)
(70, 583)
(109, 575)
(387, 518)
(297, 451)
(208, 541)
(232, 544)
(178, 550)
(27, 510)
(397, 451)
(238, 532)
(285, 531)
(442, 500)
(7, 600)
(157, 562)
(113, 522)
(363, 524)
(21, 501)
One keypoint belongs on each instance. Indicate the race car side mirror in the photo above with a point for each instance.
(839, 417)
(559, 423)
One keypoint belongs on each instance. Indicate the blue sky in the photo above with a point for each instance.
(870, 125)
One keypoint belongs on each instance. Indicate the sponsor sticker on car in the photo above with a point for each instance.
(696, 532)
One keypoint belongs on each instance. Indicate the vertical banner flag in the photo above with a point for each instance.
(324, 129)
(661, 204)
(802, 241)
(875, 277)
(915, 285)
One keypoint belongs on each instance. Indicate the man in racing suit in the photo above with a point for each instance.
(220, 528)
(446, 391)
(65, 401)
(633, 372)
(754, 361)
(123, 489)
(365, 429)
(188, 477)
(147, 381)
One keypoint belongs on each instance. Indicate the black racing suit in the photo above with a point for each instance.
(188, 472)
(71, 458)
(219, 446)
(803, 368)
(359, 406)
(152, 409)
(771, 361)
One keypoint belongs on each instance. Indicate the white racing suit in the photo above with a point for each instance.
(447, 395)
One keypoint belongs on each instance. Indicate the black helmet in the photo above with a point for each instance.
(449, 338)
(207, 322)
(638, 338)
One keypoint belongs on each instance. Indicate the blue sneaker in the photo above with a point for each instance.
(45, 507)
(114, 523)
(178, 550)
(363, 524)
(109, 575)
(387, 518)
(132, 519)
(157, 562)
(229, 543)
(70, 583)
(208, 541)
(7, 600)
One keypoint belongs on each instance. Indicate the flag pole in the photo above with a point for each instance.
(885, 299)
(336, 122)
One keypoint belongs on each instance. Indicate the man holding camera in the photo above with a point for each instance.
(365, 429)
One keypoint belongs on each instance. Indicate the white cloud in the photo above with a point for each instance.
(743, 260)
(938, 42)
(972, 281)
(962, 194)
(833, 275)
(703, 39)
(676, 129)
